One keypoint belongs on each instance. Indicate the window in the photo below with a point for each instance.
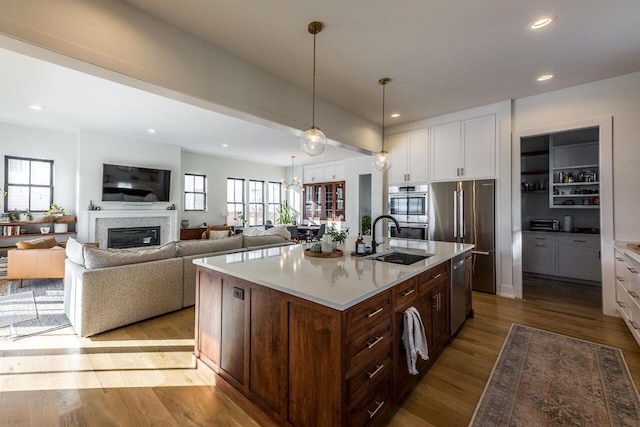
(195, 192)
(29, 184)
(235, 201)
(256, 202)
(274, 201)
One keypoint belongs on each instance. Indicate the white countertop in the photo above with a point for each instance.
(622, 247)
(334, 282)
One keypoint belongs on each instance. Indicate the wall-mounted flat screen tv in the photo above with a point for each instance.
(134, 184)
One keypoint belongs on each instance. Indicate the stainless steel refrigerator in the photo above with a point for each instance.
(464, 212)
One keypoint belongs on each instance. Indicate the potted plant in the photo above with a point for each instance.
(338, 236)
(58, 219)
(366, 225)
(285, 215)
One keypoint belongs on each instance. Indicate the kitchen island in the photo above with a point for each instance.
(300, 340)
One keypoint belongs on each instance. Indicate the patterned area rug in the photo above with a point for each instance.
(542, 378)
(3, 267)
(48, 295)
(17, 308)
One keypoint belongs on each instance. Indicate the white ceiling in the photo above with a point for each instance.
(442, 56)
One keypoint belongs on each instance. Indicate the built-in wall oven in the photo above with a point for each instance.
(408, 204)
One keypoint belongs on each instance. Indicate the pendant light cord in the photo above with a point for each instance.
(383, 87)
(313, 96)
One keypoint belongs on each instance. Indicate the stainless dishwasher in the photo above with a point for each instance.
(457, 293)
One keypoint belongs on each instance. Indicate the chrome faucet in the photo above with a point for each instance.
(374, 245)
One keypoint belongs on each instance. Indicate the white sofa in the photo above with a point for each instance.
(106, 289)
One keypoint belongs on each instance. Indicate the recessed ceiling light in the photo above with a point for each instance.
(544, 77)
(542, 22)
(35, 107)
(225, 145)
(151, 131)
(395, 115)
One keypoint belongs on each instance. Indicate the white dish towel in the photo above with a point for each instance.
(414, 339)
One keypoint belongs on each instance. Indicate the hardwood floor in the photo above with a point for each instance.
(145, 374)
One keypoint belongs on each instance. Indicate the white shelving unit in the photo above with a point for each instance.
(573, 170)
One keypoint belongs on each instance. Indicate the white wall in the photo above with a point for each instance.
(616, 101)
(619, 98)
(95, 149)
(61, 147)
(217, 170)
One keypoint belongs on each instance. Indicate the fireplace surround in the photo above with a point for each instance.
(99, 222)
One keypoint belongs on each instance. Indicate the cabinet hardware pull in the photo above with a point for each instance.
(376, 341)
(373, 313)
(580, 241)
(480, 252)
(633, 294)
(620, 259)
(461, 171)
(436, 276)
(372, 414)
(620, 304)
(409, 292)
(633, 270)
(634, 324)
(620, 279)
(378, 369)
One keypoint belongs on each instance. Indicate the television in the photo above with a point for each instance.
(134, 184)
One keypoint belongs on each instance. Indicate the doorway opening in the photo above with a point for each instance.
(560, 216)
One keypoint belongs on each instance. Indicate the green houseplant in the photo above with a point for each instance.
(285, 215)
(366, 225)
(338, 235)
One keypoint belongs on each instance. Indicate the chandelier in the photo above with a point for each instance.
(313, 140)
(382, 160)
(295, 182)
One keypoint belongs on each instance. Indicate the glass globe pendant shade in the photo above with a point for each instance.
(313, 141)
(382, 161)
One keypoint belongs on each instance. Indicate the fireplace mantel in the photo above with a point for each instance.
(98, 222)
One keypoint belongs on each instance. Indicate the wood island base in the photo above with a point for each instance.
(289, 361)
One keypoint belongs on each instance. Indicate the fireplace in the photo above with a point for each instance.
(130, 237)
(99, 222)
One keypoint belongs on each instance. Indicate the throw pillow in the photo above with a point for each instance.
(74, 251)
(218, 234)
(252, 231)
(278, 230)
(41, 243)
(100, 258)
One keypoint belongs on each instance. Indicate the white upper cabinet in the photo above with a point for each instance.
(445, 152)
(329, 173)
(464, 149)
(409, 154)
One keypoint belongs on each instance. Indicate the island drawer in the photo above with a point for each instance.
(372, 408)
(362, 317)
(359, 386)
(431, 276)
(364, 349)
(404, 294)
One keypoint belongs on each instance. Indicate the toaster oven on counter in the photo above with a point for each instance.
(544, 225)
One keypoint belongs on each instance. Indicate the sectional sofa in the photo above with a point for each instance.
(106, 289)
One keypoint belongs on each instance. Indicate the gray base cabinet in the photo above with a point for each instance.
(571, 255)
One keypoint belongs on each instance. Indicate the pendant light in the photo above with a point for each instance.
(313, 140)
(295, 182)
(382, 160)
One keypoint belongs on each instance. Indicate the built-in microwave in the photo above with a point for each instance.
(417, 231)
(408, 203)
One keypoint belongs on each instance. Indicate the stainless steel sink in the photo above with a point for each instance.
(397, 257)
